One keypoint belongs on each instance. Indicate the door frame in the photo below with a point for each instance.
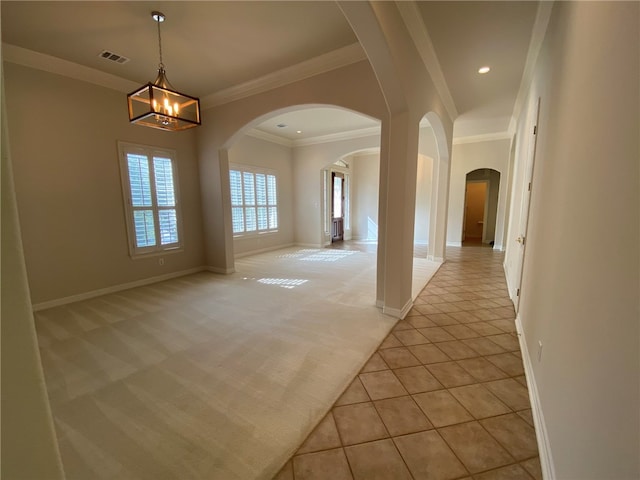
(326, 201)
(341, 217)
(525, 205)
(464, 207)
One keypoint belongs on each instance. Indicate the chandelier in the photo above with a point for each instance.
(158, 104)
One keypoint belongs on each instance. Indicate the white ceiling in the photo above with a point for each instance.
(213, 46)
(316, 122)
(469, 35)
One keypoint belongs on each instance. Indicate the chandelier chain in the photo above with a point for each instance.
(160, 44)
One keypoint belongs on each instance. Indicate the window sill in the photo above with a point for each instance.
(255, 234)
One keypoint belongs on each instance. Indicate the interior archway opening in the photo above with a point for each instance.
(482, 187)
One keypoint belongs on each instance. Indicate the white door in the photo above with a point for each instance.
(526, 199)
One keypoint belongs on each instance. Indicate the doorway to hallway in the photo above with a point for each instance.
(480, 207)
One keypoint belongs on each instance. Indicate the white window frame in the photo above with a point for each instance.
(150, 152)
(254, 170)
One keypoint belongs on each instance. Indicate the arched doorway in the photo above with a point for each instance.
(480, 212)
(305, 213)
(441, 172)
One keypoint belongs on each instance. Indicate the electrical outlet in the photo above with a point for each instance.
(161, 261)
(539, 350)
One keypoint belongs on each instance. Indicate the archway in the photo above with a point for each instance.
(434, 144)
(480, 207)
(301, 197)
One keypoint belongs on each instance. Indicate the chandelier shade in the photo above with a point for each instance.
(158, 104)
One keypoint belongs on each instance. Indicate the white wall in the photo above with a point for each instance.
(365, 170)
(353, 87)
(424, 188)
(581, 283)
(261, 153)
(427, 152)
(63, 135)
(465, 158)
(29, 445)
(308, 163)
(427, 145)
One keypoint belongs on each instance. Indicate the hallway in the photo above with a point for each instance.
(444, 397)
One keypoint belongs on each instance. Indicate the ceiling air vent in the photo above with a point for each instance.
(114, 57)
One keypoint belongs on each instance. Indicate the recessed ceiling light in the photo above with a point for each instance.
(281, 125)
(484, 70)
(298, 131)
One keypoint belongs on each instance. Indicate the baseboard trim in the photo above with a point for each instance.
(454, 244)
(544, 447)
(433, 258)
(222, 271)
(113, 289)
(398, 313)
(309, 245)
(263, 250)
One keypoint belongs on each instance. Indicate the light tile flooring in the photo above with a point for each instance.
(444, 396)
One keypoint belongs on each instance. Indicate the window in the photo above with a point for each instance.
(254, 200)
(149, 185)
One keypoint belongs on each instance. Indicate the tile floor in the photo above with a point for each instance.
(443, 398)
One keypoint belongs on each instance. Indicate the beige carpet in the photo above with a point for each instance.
(209, 376)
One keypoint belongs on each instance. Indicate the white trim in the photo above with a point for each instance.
(433, 258)
(222, 271)
(535, 44)
(311, 245)
(303, 142)
(380, 303)
(47, 63)
(269, 137)
(417, 29)
(398, 313)
(454, 244)
(151, 153)
(269, 174)
(485, 137)
(544, 447)
(263, 250)
(336, 137)
(512, 293)
(314, 66)
(115, 288)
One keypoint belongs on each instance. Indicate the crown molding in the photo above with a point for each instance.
(537, 38)
(304, 142)
(420, 36)
(314, 66)
(269, 137)
(47, 63)
(486, 137)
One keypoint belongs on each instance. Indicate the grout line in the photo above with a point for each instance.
(438, 282)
